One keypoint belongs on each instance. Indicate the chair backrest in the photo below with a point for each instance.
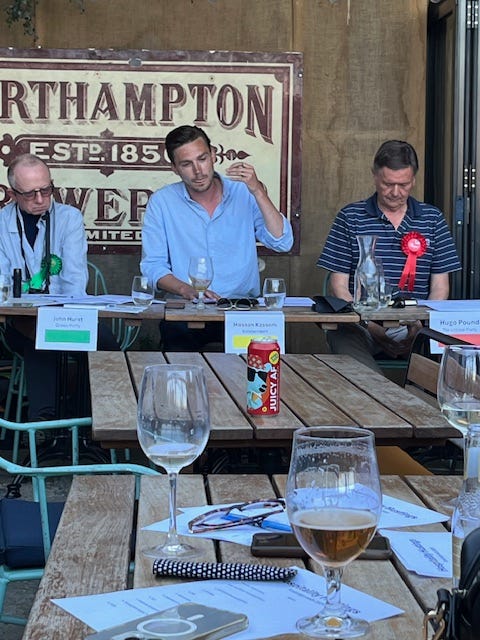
(124, 334)
(423, 367)
(96, 280)
(40, 474)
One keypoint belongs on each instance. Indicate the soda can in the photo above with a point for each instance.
(263, 377)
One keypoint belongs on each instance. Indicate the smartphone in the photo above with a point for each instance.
(188, 621)
(285, 545)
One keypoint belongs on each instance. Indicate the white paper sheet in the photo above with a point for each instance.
(292, 301)
(395, 513)
(272, 607)
(454, 305)
(425, 553)
(400, 513)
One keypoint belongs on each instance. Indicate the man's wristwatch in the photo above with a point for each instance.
(364, 323)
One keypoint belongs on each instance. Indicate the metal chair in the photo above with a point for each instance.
(124, 334)
(27, 527)
(17, 385)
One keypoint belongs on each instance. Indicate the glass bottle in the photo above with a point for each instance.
(366, 290)
(466, 515)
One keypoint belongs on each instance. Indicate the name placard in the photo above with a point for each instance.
(60, 329)
(242, 326)
(461, 324)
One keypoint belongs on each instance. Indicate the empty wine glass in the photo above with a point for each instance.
(334, 502)
(173, 428)
(200, 272)
(142, 291)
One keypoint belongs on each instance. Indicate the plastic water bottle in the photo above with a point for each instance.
(466, 515)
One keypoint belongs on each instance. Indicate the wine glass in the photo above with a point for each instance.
(142, 291)
(334, 503)
(274, 292)
(458, 390)
(458, 386)
(200, 272)
(173, 425)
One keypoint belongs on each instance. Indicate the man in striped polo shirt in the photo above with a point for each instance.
(390, 214)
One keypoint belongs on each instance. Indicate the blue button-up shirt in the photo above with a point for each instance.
(176, 228)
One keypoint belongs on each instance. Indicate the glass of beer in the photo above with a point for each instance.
(334, 502)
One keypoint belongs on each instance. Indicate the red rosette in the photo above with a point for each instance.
(413, 246)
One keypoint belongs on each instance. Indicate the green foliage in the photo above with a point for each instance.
(23, 11)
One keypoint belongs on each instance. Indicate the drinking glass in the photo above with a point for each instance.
(333, 502)
(200, 272)
(458, 389)
(274, 292)
(173, 425)
(5, 287)
(142, 291)
(458, 386)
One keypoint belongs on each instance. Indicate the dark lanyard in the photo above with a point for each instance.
(47, 253)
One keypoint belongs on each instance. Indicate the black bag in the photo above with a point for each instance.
(457, 615)
(330, 304)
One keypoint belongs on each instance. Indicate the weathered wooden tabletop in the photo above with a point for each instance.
(91, 550)
(319, 389)
(197, 318)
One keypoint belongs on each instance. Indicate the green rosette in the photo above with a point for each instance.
(55, 265)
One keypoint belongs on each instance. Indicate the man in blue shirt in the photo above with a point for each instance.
(391, 214)
(206, 214)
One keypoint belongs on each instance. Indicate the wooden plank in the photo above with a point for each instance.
(423, 372)
(114, 405)
(153, 506)
(424, 587)
(211, 313)
(90, 553)
(351, 394)
(232, 371)
(312, 407)
(393, 317)
(226, 419)
(436, 491)
(228, 422)
(138, 360)
(427, 421)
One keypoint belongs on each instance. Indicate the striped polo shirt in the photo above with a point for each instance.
(341, 253)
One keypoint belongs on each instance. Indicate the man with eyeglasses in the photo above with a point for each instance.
(47, 241)
(206, 214)
(408, 232)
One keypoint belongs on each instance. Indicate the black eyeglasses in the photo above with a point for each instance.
(30, 195)
(225, 517)
(237, 303)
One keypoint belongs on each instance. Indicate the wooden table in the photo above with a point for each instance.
(196, 319)
(153, 312)
(390, 317)
(90, 552)
(319, 389)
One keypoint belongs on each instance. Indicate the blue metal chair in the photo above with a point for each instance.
(27, 528)
(124, 334)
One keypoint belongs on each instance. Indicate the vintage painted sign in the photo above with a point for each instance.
(99, 119)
